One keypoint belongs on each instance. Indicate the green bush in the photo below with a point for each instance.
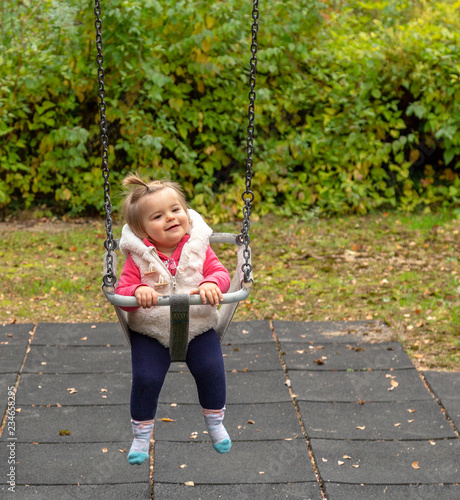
(358, 103)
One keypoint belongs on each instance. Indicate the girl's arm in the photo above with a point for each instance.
(216, 280)
(215, 272)
(130, 281)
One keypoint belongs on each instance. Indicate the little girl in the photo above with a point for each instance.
(167, 251)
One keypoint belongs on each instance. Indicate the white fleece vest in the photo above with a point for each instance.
(155, 321)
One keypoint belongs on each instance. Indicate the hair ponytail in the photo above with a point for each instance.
(135, 180)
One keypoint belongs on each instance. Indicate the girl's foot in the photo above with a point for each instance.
(139, 451)
(221, 441)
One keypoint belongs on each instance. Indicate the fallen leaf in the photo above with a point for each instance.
(319, 361)
(104, 450)
(415, 465)
(173, 405)
(84, 338)
(251, 422)
(64, 432)
(410, 411)
(189, 483)
(433, 443)
(347, 457)
(340, 462)
(122, 451)
(394, 383)
(355, 348)
(410, 421)
(165, 419)
(355, 466)
(72, 390)
(361, 427)
(324, 459)
(397, 425)
(261, 472)
(104, 390)
(183, 466)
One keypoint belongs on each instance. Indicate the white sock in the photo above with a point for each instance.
(139, 451)
(221, 441)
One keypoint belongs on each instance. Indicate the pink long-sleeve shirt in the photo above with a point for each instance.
(213, 271)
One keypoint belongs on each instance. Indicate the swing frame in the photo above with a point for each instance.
(242, 282)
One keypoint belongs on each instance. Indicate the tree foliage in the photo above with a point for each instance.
(358, 102)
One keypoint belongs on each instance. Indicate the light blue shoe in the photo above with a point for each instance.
(224, 446)
(137, 458)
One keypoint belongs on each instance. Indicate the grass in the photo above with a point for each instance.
(403, 270)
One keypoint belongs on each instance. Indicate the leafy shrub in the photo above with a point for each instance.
(358, 103)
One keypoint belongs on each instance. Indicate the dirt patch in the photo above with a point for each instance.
(48, 226)
(376, 331)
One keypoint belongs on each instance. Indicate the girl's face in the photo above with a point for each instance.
(164, 219)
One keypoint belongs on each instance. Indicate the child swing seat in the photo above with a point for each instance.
(179, 304)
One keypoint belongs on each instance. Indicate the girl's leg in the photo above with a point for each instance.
(205, 361)
(150, 363)
(206, 364)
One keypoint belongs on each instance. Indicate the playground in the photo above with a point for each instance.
(315, 410)
(338, 193)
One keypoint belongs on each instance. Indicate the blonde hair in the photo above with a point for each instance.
(137, 188)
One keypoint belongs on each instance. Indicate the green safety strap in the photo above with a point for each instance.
(178, 339)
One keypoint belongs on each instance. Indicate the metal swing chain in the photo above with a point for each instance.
(248, 195)
(109, 278)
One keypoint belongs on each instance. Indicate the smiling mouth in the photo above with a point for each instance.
(173, 227)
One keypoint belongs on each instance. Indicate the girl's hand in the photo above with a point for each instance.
(146, 296)
(209, 291)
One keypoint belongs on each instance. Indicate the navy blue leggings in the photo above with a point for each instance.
(150, 363)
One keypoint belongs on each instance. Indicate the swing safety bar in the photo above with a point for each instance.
(195, 300)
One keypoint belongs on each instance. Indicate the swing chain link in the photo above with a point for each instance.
(248, 195)
(109, 279)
